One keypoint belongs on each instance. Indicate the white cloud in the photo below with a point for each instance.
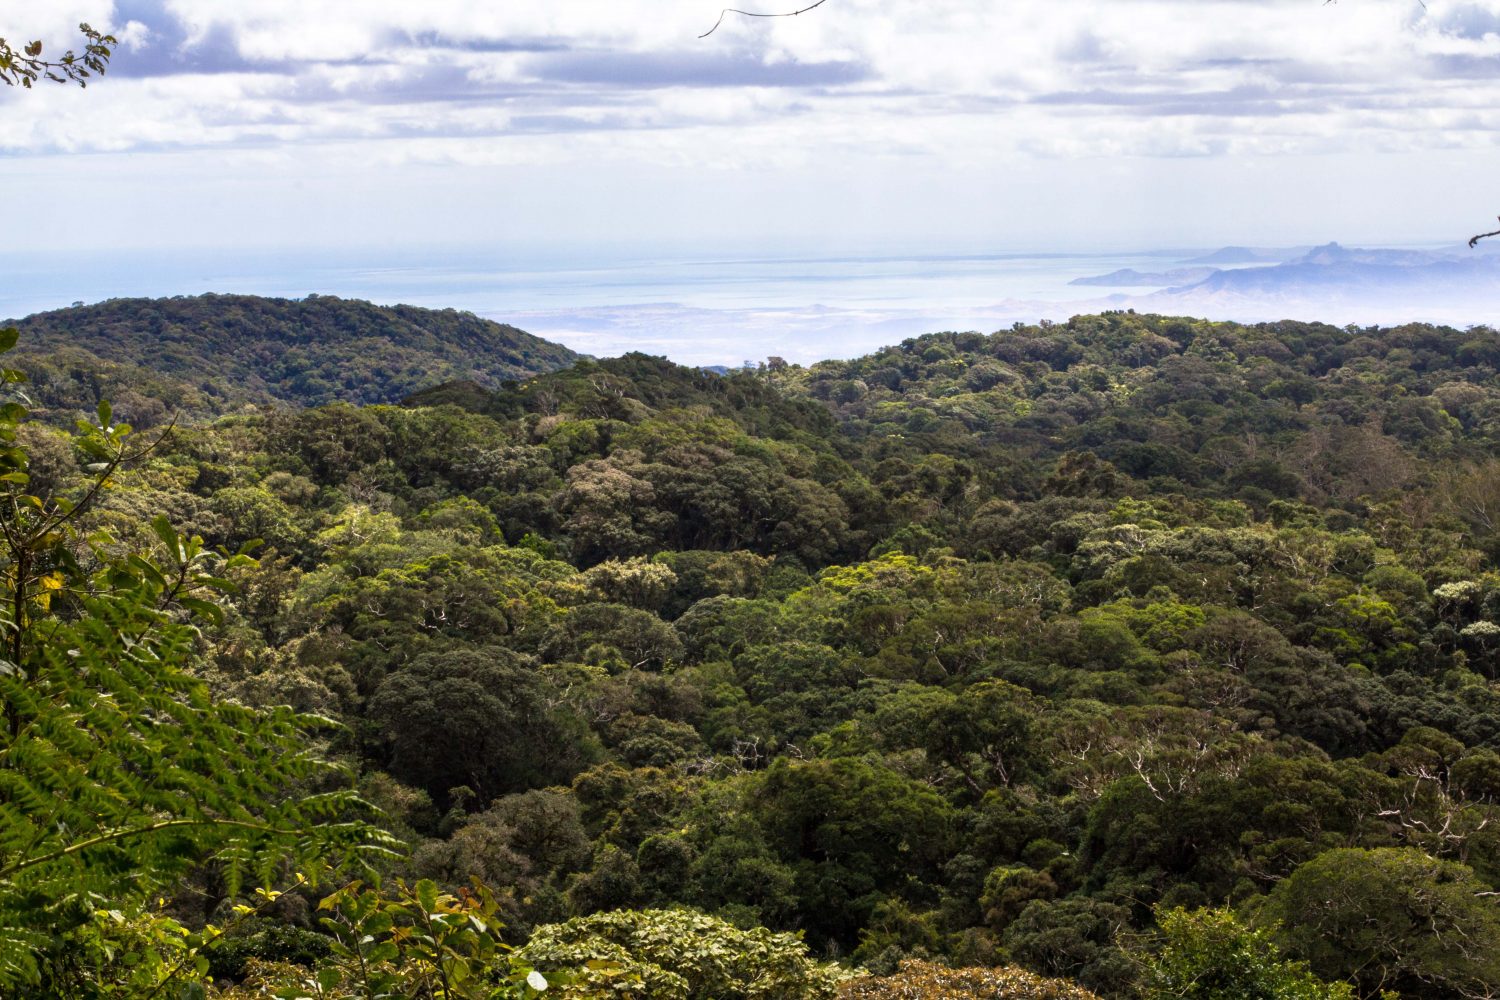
(1370, 69)
(863, 87)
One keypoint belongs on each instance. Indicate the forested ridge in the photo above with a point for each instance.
(1134, 656)
(205, 355)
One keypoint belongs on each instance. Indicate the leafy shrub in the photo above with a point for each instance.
(678, 955)
(1210, 955)
(918, 980)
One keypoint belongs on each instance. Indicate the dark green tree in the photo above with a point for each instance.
(1391, 919)
(474, 717)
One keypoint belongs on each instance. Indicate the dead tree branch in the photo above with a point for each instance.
(1482, 236)
(746, 13)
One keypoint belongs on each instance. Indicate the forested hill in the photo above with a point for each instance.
(1107, 405)
(209, 354)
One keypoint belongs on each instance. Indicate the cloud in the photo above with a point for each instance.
(858, 89)
(1463, 66)
(165, 46)
(438, 40)
(1469, 21)
(649, 70)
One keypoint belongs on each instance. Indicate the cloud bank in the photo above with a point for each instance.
(898, 99)
(1045, 77)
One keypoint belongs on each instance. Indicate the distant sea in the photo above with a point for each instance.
(696, 308)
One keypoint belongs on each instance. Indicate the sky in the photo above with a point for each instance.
(863, 124)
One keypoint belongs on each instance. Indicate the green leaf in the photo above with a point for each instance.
(427, 894)
(148, 570)
(204, 609)
(168, 535)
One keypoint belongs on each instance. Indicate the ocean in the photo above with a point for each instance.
(695, 307)
(706, 309)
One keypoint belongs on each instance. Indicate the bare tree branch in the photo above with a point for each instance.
(1482, 236)
(746, 13)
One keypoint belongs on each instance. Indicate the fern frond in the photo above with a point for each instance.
(118, 774)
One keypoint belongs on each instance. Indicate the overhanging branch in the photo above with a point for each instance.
(1482, 236)
(747, 13)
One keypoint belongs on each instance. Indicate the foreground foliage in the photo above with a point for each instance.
(119, 774)
(29, 64)
(413, 942)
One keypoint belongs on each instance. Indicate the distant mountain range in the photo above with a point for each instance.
(209, 354)
(1129, 276)
(1245, 255)
(1331, 282)
(1336, 275)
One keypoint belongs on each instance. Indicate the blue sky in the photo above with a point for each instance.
(864, 124)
